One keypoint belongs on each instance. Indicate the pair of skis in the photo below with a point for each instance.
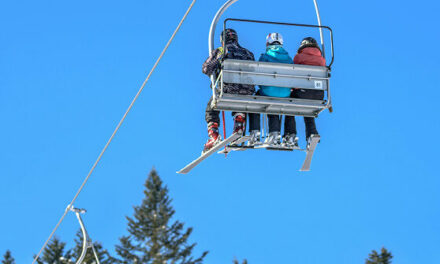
(233, 142)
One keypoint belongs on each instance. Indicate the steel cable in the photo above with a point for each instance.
(114, 132)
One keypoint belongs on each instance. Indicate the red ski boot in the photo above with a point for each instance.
(239, 123)
(214, 137)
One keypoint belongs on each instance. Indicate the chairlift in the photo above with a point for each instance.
(267, 74)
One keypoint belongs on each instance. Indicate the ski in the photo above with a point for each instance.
(235, 146)
(313, 142)
(205, 155)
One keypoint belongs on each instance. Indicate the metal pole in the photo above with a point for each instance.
(94, 253)
(78, 213)
(87, 242)
(212, 29)
(215, 21)
(320, 29)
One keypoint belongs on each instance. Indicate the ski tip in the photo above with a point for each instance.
(180, 172)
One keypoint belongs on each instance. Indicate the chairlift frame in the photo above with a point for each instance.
(272, 74)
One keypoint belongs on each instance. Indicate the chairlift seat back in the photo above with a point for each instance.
(272, 74)
(275, 74)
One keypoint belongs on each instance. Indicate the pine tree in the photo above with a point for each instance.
(383, 258)
(54, 253)
(237, 262)
(152, 238)
(7, 258)
(103, 255)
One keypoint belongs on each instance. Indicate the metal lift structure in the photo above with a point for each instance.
(87, 241)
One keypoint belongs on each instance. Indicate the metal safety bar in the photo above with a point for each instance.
(290, 24)
(225, 7)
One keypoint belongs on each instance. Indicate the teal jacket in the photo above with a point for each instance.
(275, 53)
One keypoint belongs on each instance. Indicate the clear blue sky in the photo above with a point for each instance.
(68, 70)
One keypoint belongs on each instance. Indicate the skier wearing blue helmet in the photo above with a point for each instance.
(277, 54)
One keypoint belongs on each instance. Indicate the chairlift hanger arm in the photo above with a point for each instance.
(321, 35)
(85, 236)
(215, 21)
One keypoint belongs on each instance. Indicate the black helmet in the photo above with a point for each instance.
(308, 42)
(229, 34)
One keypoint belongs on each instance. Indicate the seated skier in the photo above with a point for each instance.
(274, 53)
(212, 65)
(309, 53)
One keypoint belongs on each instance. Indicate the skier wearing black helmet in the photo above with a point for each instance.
(233, 50)
(309, 53)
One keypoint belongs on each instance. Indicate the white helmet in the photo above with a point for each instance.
(274, 37)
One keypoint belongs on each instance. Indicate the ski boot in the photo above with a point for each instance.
(239, 123)
(290, 141)
(214, 137)
(273, 139)
(255, 139)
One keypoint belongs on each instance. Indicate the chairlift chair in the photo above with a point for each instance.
(272, 74)
(267, 74)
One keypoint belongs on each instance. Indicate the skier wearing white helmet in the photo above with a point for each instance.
(274, 53)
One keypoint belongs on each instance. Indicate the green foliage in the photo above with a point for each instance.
(54, 253)
(152, 238)
(103, 255)
(237, 262)
(7, 258)
(383, 258)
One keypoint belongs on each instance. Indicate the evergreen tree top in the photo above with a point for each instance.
(54, 253)
(383, 258)
(153, 237)
(237, 262)
(7, 258)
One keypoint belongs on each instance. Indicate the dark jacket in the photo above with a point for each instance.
(233, 51)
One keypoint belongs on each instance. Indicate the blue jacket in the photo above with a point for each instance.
(275, 53)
